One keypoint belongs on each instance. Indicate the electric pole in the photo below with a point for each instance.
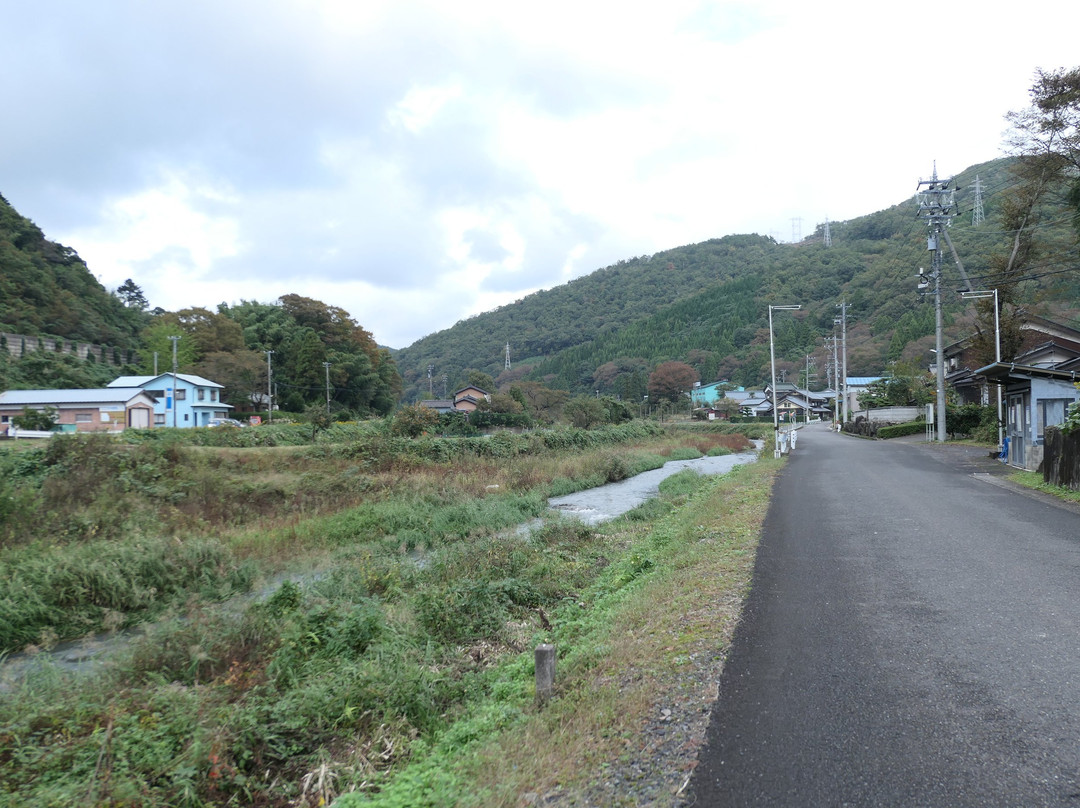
(834, 382)
(937, 205)
(842, 386)
(430, 388)
(327, 366)
(174, 341)
(269, 389)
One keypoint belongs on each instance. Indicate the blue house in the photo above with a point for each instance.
(180, 400)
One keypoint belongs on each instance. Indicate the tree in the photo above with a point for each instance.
(672, 381)
(477, 378)
(413, 420)
(243, 374)
(155, 339)
(43, 420)
(1046, 136)
(132, 296)
(584, 411)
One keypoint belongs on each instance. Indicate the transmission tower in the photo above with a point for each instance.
(796, 230)
(508, 356)
(828, 235)
(977, 206)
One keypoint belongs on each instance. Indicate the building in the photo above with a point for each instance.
(194, 402)
(109, 409)
(467, 399)
(1038, 388)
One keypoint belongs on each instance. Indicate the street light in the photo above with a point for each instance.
(772, 364)
(997, 349)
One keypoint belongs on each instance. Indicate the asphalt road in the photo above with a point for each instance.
(911, 638)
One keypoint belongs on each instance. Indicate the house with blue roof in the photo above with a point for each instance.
(180, 399)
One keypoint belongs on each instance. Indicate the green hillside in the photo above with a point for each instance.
(707, 304)
(47, 290)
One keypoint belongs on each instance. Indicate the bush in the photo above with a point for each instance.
(900, 430)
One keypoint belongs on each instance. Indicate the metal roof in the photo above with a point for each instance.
(98, 395)
(1005, 372)
(142, 381)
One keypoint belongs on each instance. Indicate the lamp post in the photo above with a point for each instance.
(772, 365)
(997, 349)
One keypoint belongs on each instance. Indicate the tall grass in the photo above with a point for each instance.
(409, 641)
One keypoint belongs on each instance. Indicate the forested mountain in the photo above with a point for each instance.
(46, 289)
(707, 304)
(704, 304)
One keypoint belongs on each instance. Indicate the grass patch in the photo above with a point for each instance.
(672, 590)
(1034, 480)
(400, 661)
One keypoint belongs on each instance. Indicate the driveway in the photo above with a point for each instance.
(911, 639)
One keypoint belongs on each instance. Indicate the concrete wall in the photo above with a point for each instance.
(892, 415)
(17, 345)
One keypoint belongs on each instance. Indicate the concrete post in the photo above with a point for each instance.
(545, 673)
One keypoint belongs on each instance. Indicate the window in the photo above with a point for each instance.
(1052, 412)
(4, 419)
(159, 419)
(181, 394)
(201, 394)
(157, 395)
(185, 416)
(83, 418)
(213, 395)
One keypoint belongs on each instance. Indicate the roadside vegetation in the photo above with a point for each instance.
(351, 616)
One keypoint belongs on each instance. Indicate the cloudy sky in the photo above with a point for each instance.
(418, 162)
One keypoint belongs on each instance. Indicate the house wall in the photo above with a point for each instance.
(190, 410)
(1040, 390)
(88, 418)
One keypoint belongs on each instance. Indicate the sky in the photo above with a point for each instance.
(416, 163)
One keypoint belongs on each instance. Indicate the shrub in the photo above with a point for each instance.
(900, 430)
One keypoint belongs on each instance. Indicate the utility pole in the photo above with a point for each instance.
(842, 386)
(937, 205)
(430, 387)
(155, 363)
(811, 362)
(327, 366)
(835, 383)
(269, 389)
(174, 341)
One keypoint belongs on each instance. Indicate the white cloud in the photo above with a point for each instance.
(418, 162)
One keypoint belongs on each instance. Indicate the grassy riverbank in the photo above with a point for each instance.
(393, 667)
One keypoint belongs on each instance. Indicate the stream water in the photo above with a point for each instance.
(592, 506)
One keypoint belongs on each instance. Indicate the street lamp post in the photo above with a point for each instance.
(997, 350)
(772, 365)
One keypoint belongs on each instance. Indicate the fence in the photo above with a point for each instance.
(1061, 458)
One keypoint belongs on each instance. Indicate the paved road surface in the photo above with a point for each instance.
(912, 638)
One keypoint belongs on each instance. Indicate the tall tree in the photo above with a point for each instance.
(672, 381)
